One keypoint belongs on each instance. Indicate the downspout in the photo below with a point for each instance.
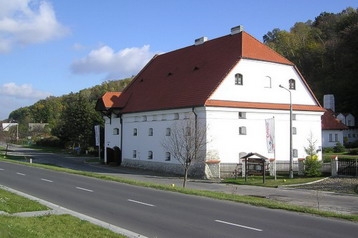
(196, 128)
(121, 136)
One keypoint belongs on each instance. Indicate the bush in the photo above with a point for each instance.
(50, 142)
(328, 150)
(313, 166)
(339, 148)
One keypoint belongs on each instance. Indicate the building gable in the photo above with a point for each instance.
(187, 77)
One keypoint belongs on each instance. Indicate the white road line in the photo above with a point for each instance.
(20, 174)
(85, 189)
(142, 203)
(47, 180)
(1, 169)
(242, 226)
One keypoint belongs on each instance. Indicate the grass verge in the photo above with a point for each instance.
(51, 226)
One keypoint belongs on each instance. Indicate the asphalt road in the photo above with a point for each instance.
(154, 213)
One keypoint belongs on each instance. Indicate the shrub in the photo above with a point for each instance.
(339, 148)
(312, 166)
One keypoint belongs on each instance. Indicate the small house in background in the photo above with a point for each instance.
(232, 85)
(337, 127)
(332, 129)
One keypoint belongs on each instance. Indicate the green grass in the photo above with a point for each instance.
(51, 226)
(12, 203)
(270, 181)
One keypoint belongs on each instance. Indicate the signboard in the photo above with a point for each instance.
(97, 134)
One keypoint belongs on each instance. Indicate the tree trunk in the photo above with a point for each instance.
(185, 176)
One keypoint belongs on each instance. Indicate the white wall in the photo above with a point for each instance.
(253, 89)
(223, 127)
(327, 142)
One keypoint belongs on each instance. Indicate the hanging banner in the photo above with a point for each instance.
(97, 134)
(270, 134)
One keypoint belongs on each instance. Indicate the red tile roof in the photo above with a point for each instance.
(330, 122)
(107, 101)
(187, 77)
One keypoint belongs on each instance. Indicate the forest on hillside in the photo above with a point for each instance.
(325, 50)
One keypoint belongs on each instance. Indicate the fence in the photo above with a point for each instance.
(341, 167)
(348, 167)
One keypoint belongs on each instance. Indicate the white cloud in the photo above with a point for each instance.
(24, 91)
(14, 96)
(24, 22)
(124, 63)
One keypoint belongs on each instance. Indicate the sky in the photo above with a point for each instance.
(55, 47)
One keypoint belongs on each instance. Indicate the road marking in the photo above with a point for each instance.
(47, 180)
(142, 203)
(85, 189)
(1, 169)
(242, 226)
(20, 174)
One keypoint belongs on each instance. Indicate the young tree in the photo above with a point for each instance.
(186, 143)
(312, 164)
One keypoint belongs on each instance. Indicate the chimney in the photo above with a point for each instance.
(237, 29)
(201, 40)
(329, 102)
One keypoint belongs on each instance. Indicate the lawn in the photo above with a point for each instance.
(42, 226)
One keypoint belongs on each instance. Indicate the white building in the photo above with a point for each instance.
(332, 129)
(230, 84)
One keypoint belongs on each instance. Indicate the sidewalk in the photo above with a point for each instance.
(328, 201)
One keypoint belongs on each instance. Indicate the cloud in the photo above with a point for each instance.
(24, 22)
(24, 91)
(124, 63)
(15, 96)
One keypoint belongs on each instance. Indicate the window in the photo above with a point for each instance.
(167, 156)
(188, 131)
(150, 154)
(164, 117)
(295, 153)
(150, 132)
(267, 82)
(238, 79)
(292, 84)
(135, 132)
(294, 131)
(330, 137)
(242, 115)
(144, 118)
(115, 131)
(335, 137)
(176, 116)
(154, 118)
(168, 132)
(134, 154)
(242, 130)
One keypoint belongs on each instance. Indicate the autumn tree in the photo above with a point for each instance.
(186, 143)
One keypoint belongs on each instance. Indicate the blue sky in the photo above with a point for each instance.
(55, 47)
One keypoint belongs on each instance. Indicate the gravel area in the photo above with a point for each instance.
(347, 185)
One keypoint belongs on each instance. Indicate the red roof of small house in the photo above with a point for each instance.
(187, 77)
(330, 122)
(107, 101)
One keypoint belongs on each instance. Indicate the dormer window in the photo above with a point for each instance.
(292, 84)
(238, 79)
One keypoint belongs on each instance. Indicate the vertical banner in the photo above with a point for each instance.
(97, 134)
(270, 134)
